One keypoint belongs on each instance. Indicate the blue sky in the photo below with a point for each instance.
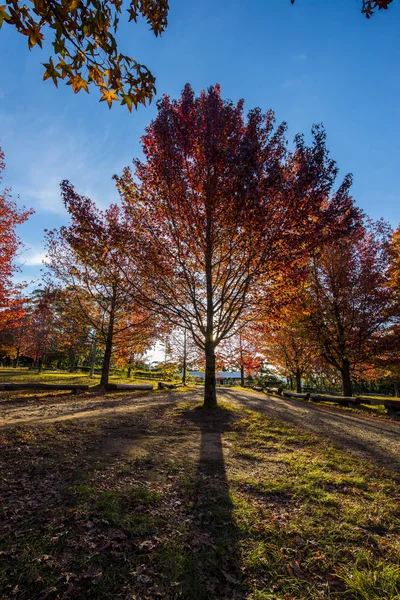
(316, 61)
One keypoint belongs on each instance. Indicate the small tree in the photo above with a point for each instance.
(289, 348)
(348, 298)
(82, 257)
(10, 217)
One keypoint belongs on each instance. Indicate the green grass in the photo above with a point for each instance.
(180, 503)
(27, 376)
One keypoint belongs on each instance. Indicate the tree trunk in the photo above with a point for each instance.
(72, 360)
(242, 375)
(40, 364)
(128, 375)
(346, 380)
(109, 342)
(210, 394)
(184, 357)
(93, 358)
(17, 358)
(298, 381)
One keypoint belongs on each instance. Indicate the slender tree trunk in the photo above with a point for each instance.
(298, 381)
(242, 375)
(210, 394)
(346, 380)
(128, 375)
(109, 342)
(93, 358)
(17, 359)
(40, 364)
(184, 357)
(71, 360)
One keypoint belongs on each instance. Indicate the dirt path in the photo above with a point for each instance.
(50, 408)
(369, 437)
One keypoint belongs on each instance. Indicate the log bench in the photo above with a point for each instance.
(75, 389)
(277, 391)
(168, 386)
(342, 400)
(393, 409)
(288, 394)
(127, 387)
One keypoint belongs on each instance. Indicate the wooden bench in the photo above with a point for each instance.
(127, 387)
(75, 389)
(342, 400)
(288, 394)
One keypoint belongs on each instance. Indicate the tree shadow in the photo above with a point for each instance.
(213, 565)
(374, 440)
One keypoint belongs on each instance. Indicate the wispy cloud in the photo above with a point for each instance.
(46, 155)
(33, 258)
(299, 57)
(296, 82)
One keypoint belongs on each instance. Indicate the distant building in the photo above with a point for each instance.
(224, 377)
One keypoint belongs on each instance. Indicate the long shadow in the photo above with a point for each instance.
(212, 568)
(66, 406)
(358, 436)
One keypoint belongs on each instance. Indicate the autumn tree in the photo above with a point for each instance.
(348, 299)
(243, 351)
(220, 206)
(387, 357)
(368, 7)
(85, 51)
(288, 345)
(184, 350)
(13, 327)
(73, 330)
(81, 257)
(10, 217)
(394, 269)
(138, 331)
(40, 335)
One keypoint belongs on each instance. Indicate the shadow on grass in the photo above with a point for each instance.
(212, 567)
(117, 506)
(373, 439)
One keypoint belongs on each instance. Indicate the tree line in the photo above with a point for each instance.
(225, 231)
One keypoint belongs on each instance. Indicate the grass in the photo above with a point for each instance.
(10, 375)
(174, 502)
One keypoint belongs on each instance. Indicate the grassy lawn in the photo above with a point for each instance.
(176, 502)
(11, 375)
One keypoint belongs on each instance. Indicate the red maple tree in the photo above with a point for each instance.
(82, 257)
(10, 217)
(220, 208)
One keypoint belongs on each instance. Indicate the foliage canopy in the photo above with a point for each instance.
(84, 43)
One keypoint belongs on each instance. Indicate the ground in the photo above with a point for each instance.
(146, 496)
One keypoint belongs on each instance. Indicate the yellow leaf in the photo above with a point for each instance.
(108, 96)
(78, 83)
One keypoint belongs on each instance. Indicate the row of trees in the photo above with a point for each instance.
(229, 234)
(345, 313)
